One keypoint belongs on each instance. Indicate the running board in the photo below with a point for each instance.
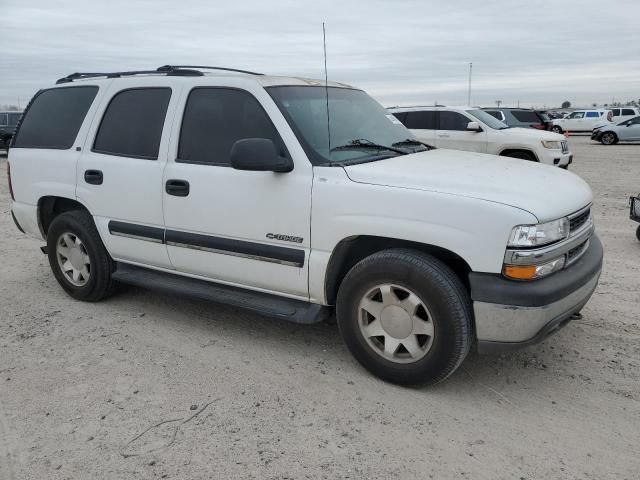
(267, 304)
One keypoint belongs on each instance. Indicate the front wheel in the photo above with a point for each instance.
(405, 316)
(638, 233)
(556, 129)
(609, 138)
(78, 259)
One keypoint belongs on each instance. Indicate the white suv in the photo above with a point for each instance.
(581, 121)
(230, 187)
(474, 130)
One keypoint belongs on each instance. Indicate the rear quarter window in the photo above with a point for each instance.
(54, 118)
(593, 115)
(628, 111)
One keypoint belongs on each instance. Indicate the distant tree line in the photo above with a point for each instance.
(630, 103)
(10, 108)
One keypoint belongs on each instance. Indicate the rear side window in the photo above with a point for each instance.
(132, 124)
(54, 118)
(452, 121)
(421, 120)
(526, 116)
(628, 111)
(593, 115)
(616, 112)
(215, 118)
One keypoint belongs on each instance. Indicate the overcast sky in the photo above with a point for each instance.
(402, 52)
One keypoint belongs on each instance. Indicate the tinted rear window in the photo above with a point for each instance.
(132, 124)
(526, 116)
(421, 120)
(593, 115)
(628, 111)
(54, 118)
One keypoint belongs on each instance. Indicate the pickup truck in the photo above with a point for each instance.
(298, 199)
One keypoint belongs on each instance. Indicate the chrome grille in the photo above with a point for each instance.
(579, 219)
(565, 146)
(576, 252)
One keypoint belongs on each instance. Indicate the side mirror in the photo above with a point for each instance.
(474, 127)
(258, 155)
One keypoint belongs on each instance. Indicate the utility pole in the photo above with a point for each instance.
(498, 102)
(469, 91)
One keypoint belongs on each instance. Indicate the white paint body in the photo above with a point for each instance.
(466, 203)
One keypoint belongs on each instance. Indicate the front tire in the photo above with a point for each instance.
(556, 129)
(638, 233)
(79, 261)
(609, 138)
(405, 316)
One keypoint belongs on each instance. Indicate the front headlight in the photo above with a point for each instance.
(538, 235)
(554, 144)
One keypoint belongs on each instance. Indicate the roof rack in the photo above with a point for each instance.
(174, 70)
(198, 67)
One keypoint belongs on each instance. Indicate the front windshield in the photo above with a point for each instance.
(356, 122)
(489, 120)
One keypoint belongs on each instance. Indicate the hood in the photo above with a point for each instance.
(533, 133)
(545, 191)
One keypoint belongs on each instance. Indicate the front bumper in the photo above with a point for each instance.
(557, 158)
(596, 135)
(511, 314)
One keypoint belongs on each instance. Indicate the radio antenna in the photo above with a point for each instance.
(326, 88)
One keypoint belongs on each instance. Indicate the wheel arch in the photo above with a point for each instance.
(49, 207)
(349, 251)
(508, 150)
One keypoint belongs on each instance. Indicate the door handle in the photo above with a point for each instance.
(443, 135)
(177, 188)
(94, 177)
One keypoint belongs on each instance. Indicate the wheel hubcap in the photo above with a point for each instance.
(73, 259)
(396, 323)
(607, 138)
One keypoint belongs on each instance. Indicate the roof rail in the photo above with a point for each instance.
(174, 71)
(169, 68)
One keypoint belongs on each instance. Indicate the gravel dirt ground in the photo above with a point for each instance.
(146, 385)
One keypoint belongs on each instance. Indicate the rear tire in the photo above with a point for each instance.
(609, 138)
(557, 129)
(79, 261)
(522, 155)
(423, 314)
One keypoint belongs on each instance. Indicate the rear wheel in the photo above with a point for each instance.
(556, 129)
(405, 316)
(522, 155)
(78, 259)
(609, 138)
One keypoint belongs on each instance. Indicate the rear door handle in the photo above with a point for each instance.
(443, 135)
(177, 188)
(94, 177)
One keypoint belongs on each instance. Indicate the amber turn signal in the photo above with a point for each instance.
(520, 272)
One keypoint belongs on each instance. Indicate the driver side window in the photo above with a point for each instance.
(576, 115)
(452, 121)
(215, 118)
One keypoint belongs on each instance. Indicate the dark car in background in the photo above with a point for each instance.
(8, 122)
(521, 117)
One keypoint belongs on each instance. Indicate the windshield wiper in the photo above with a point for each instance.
(360, 143)
(413, 141)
